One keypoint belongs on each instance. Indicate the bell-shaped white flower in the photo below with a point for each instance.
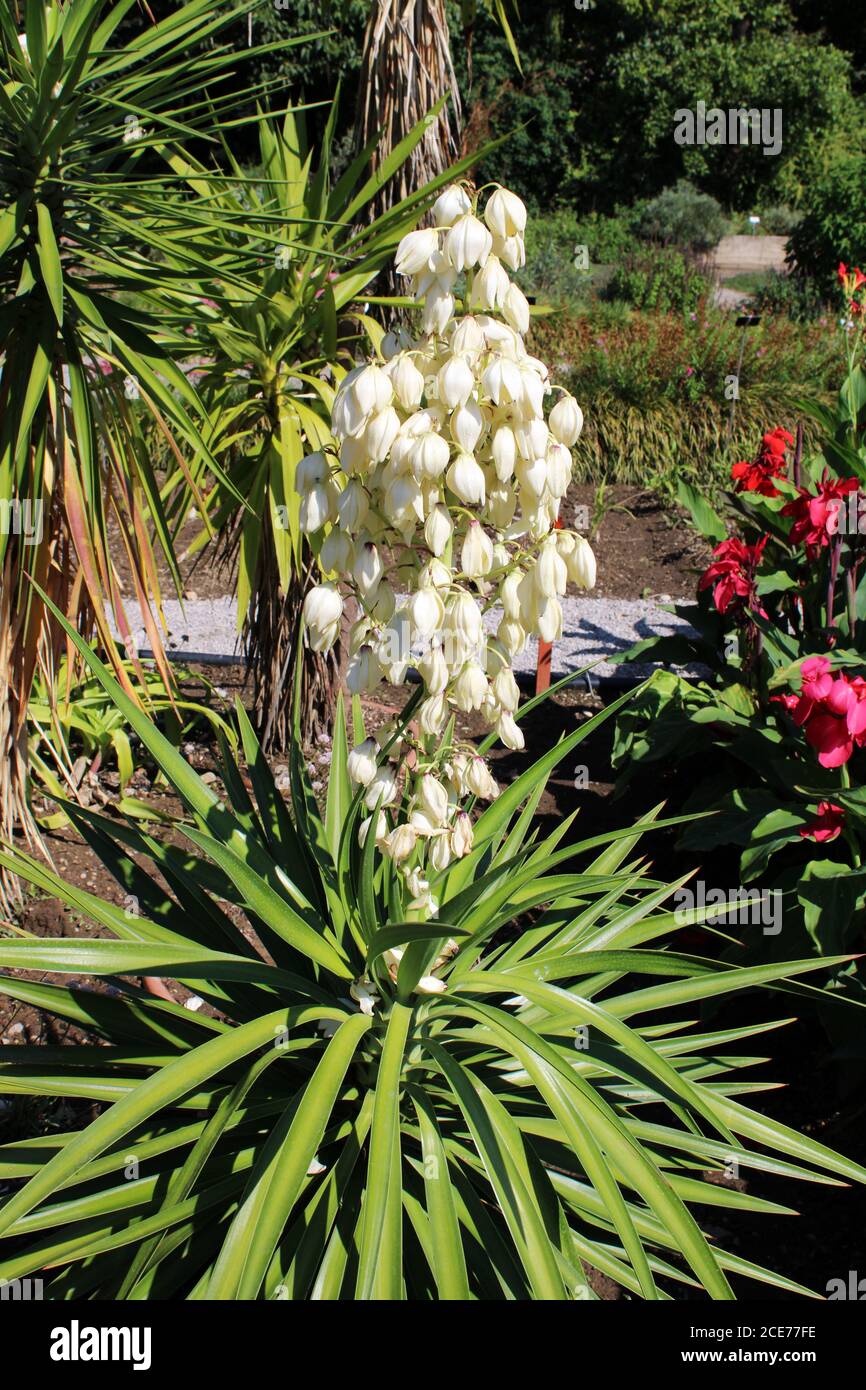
(382, 788)
(476, 555)
(380, 833)
(467, 243)
(361, 762)
(511, 251)
(549, 573)
(470, 688)
(367, 569)
(438, 529)
(455, 382)
(382, 429)
(511, 636)
(433, 670)
(364, 672)
(415, 250)
(490, 286)
(433, 715)
(505, 214)
(311, 470)
(515, 309)
(504, 452)
(467, 339)
(532, 438)
(434, 575)
(559, 468)
(426, 612)
(431, 799)
(430, 455)
(407, 381)
(505, 690)
(548, 622)
(337, 552)
(510, 733)
(466, 480)
(566, 421)
(317, 508)
(438, 309)
(461, 835)
(353, 506)
(323, 612)
(400, 843)
(467, 425)
(450, 205)
(502, 381)
(463, 620)
(581, 564)
(440, 852)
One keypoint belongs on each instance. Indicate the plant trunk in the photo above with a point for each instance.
(270, 638)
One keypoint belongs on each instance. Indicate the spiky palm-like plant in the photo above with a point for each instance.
(323, 1129)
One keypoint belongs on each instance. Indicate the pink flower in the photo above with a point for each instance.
(732, 573)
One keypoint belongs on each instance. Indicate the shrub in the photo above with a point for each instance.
(660, 279)
(834, 227)
(799, 297)
(780, 220)
(683, 216)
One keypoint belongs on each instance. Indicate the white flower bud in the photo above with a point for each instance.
(549, 573)
(463, 619)
(548, 621)
(559, 464)
(381, 832)
(566, 421)
(512, 636)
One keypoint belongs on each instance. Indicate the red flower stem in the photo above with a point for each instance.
(835, 553)
(798, 455)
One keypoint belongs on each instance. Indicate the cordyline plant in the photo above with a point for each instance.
(88, 217)
(549, 1107)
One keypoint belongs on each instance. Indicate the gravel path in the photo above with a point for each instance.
(204, 631)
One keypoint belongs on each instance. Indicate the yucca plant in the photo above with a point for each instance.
(275, 333)
(88, 212)
(325, 1131)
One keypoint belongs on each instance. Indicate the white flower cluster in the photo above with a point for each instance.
(443, 505)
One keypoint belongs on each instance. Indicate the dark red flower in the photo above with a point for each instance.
(827, 824)
(816, 515)
(732, 573)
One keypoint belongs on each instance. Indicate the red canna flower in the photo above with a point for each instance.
(835, 721)
(769, 463)
(816, 515)
(827, 824)
(732, 573)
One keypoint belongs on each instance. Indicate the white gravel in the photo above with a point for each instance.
(594, 629)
